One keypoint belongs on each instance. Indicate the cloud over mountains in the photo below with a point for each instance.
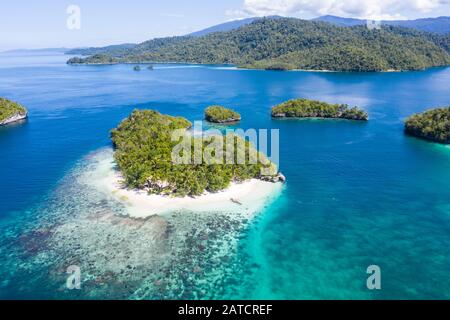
(368, 9)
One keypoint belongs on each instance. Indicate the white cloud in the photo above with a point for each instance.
(366, 9)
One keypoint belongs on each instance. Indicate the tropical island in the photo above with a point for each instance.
(95, 59)
(433, 125)
(222, 115)
(143, 152)
(304, 108)
(11, 112)
(276, 43)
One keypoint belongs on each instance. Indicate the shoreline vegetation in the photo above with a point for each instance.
(11, 112)
(246, 198)
(304, 108)
(237, 67)
(144, 147)
(221, 115)
(292, 44)
(432, 125)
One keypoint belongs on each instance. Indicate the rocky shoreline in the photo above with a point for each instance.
(221, 115)
(286, 116)
(11, 111)
(274, 179)
(226, 121)
(15, 118)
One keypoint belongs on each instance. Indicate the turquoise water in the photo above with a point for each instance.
(357, 194)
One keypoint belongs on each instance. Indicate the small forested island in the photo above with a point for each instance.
(143, 152)
(95, 59)
(289, 43)
(222, 115)
(304, 108)
(433, 125)
(11, 111)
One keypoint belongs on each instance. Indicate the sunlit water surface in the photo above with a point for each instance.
(357, 194)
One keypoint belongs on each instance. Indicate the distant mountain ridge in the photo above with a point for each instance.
(116, 49)
(228, 26)
(440, 25)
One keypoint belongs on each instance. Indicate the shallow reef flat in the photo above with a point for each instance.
(178, 255)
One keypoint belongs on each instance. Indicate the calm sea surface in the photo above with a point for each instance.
(357, 194)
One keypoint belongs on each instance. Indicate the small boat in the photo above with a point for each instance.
(150, 67)
(236, 201)
(137, 68)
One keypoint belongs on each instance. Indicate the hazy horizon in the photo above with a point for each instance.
(44, 24)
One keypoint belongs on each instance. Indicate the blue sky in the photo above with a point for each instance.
(38, 24)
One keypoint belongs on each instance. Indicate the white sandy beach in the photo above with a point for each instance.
(247, 198)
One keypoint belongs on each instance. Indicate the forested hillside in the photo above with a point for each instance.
(287, 43)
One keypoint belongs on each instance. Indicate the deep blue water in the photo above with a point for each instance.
(357, 194)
